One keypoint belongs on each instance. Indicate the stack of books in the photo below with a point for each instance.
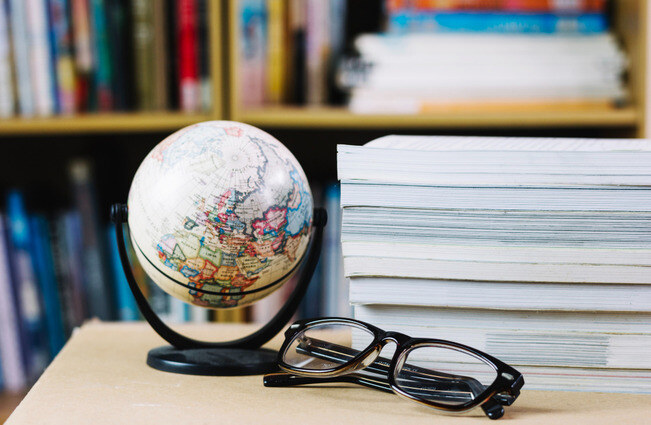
(73, 56)
(534, 250)
(447, 55)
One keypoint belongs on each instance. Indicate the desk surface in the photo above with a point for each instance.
(100, 377)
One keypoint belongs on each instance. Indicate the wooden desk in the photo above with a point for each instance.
(100, 377)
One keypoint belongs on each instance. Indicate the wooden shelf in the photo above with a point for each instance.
(8, 402)
(300, 117)
(100, 123)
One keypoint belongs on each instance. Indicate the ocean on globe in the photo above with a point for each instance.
(220, 214)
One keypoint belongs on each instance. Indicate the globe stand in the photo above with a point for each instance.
(238, 357)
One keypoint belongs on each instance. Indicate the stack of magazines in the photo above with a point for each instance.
(537, 251)
(450, 55)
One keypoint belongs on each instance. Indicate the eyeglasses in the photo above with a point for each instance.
(437, 373)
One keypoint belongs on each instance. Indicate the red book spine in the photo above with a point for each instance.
(188, 55)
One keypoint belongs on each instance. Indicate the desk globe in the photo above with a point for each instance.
(220, 215)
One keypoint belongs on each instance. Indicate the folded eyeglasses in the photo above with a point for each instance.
(441, 374)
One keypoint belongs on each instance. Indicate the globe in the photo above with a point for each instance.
(220, 214)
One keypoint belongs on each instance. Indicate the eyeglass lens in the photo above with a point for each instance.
(444, 375)
(326, 346)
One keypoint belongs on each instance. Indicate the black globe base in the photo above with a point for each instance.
(242, 356)
(213, 362)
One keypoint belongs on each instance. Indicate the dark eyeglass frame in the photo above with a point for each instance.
(502, 392)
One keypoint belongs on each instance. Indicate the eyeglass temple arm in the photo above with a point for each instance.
(491, 408)
(282, 379)
(328, 351)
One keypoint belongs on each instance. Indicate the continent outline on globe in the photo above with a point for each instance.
(220, 214)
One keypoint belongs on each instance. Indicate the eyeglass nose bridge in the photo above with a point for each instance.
(397, 338)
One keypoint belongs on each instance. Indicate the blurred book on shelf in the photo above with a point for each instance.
(431, 56)
(533, 249)
(61, 268)
(63, 57)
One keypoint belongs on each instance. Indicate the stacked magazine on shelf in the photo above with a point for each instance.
(534, 250)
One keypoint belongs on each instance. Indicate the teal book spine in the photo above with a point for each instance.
(48, 287)
(495, 22)
(126, 304)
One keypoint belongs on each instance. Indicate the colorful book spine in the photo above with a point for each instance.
(62, 56)
(252, 57)
(497, 22)
(84, 61)
(160, 76)
(297, 36)
(11, 358)
(73, 246)
(103, 83)
(120, 43)
(143, 45)
(6, 86)
(510, 5)
(95, 269)
(188, 61)
(19, 38)
(126, 304)
(203, 49)
(318, 50)
(276, 45)
(34, 343)
(40, 61)
(48, 287)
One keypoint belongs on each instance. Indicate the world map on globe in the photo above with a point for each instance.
(220, 214)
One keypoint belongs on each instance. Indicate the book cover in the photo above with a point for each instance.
(275, 81)
(11, 352)
(252, 56)
(72, 312)
(119, 40)
(73, 248)
(126, 305)
(188, 61)
(7, 107)
(203, 54)
(491, 5)
(317, 43)
(103, 71)
(48, 286)
(34, 345)
(161, 58)
(21, 56)
(142, 12)
(171, 45)
(63, 56)
(296, 62)
(545, 23)
(83, 54)
(40, 59)
(95, 269)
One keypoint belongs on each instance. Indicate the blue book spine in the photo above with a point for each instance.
(126, 304)
(36, 351)
(54, 55)
(494, 22)
(48, 287)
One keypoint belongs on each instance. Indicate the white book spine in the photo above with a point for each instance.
(40, 60)
(22, 57)
(11, 362)
(6, 90)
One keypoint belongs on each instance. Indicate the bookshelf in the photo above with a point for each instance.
(629, 21)
(136, 121)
